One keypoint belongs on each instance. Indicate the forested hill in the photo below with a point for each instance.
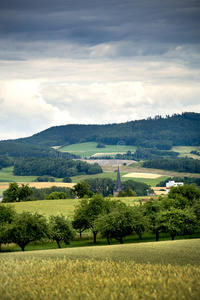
(162, 133)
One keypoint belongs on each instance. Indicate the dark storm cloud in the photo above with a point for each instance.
(94, 21)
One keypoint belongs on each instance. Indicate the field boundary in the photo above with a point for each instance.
(180, 252)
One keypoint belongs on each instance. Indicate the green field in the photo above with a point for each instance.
(113, 176)
(55, 207)
(6, 175)
(163, 270)
(46, 207)
(89, 149)
(185, 151)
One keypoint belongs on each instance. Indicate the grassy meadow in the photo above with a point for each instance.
(55, 207)
(185, 151)
(6, 175)
(164, 270)
(90, 149)
(46, 207)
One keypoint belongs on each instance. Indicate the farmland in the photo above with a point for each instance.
(90, 149)
(164, 270)
(55, 207)
(47, 207)
(185, 151)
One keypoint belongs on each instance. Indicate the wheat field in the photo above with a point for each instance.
(164, 270)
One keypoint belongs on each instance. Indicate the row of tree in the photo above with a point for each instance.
(104, 186)
(16, 193)
(27, 227)
(189, 165)
(176, 214)
(146, 153)
(195, 152)
(17, 149)
(54, 167)
(186, 180)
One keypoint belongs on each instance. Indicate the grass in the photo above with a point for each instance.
(46, 207)
(90, 149)
(164, 270)
(6, 175)
(178, 252)
(55, 207)
(185, 151)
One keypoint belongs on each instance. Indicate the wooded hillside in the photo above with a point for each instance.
(162, 133)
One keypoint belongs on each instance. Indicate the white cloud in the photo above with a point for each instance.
(23, 111)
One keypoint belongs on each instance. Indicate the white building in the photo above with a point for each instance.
(172, 183)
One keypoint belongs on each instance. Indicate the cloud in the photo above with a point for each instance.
(23, 110)
(96, 61)
(120, 101)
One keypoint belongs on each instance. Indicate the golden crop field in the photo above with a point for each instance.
(163, 270)
(5, 185)
(142, 175)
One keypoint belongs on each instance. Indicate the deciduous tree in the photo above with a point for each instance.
(26, 228)
(60, 230)
(177, 222)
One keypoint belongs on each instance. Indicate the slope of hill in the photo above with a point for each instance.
(15, 149)
(162, 133)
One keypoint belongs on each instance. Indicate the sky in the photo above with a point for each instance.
(96, 62)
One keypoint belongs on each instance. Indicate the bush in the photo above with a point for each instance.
(56, 195)
(67, 179)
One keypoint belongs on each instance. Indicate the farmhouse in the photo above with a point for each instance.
(172, 183)
(118, 187)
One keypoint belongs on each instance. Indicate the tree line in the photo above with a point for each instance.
(146, 153)
(17, 149)
(189, 165)
(186, 180)
(89, 187)
(175, 214)
(105, 186)
(6, 161)
(16, 193)
(159, 132)
(55, 167)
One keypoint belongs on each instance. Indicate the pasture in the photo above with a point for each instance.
(90, 149)
(6, 175)
(164, 270)
(46, 207)
(55, 207)
(185, 151)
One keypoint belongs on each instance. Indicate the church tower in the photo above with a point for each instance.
(118, 187)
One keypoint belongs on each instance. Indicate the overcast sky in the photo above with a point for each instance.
(96, 62)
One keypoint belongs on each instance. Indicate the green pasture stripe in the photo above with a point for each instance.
(89, 149)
